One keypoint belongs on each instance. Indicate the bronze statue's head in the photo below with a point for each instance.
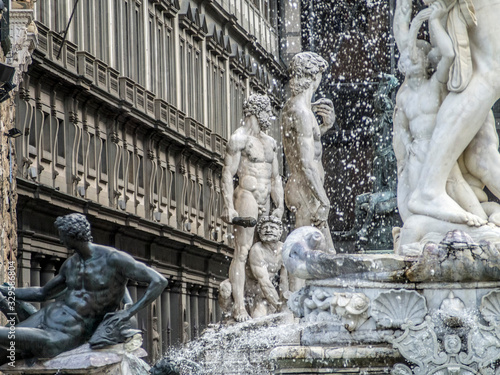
(304, 69)
(75, 226)
(260, 106)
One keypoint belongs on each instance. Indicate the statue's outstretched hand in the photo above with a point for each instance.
(116, 317)
(115, 328)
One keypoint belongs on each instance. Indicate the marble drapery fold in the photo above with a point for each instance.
(462, 15)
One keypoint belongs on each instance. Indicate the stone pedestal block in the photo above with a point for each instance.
(114, 360)
(333, 360)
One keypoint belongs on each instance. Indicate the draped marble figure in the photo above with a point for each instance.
(444, 132)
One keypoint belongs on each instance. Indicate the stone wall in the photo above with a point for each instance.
(22, 36)
(8, 224)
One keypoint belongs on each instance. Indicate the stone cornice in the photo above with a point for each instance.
(61, 202)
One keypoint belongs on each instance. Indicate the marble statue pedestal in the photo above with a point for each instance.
(438, 307)
(113, 360)
(362, 360)
(412, 328)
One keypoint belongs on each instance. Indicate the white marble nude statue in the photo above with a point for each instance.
(266, 283)
(304, 192)
(251, 155)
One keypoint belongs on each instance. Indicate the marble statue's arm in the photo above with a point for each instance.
(277, 193)
(231, 163)
(284, 283)
(401, 140)
(442, 41)
(402, 17)
(416, 24)
(325, 109)
(137, 271)
(44, 293)
(259, 270)
(298, 139)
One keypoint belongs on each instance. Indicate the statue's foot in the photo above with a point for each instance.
(495, 219)
(240, 314)
(444, 208)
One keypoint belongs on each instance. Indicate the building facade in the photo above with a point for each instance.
(125, 114)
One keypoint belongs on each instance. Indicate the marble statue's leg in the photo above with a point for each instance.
(246, 206)
(461, 192)
(482, 158)
(328, 238)
(226, 297)
(403, 194)
(260, 309)
(459, 119)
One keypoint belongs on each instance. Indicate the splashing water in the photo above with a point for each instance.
(238, 348)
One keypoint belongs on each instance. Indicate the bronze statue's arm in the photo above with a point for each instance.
(137, 271)
(39, 294)
(127, 298)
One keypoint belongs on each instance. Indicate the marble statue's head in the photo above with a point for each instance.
(75, 226)
(269, 228)
(304, 69)
(415, 61)
(260, 106)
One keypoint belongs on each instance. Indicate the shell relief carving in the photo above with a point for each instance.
(490, 307)
(394, 308)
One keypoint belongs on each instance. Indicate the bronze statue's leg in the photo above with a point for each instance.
(36, 342)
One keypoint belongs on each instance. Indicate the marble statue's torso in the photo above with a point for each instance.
(255, 167)
(303, 123)
(270, 257)
(421, 104)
